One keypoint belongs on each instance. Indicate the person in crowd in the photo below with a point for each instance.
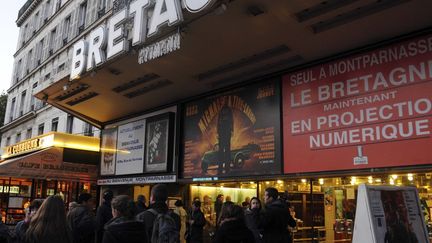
(22, 226)
(276, 218)
(196, 224)
(49, 223)
(181, 212)
(123, 227)
(246, 202)
(233, 227)
(158, 198)
(82, 220)
(228, 199)
(252, 216)
(103, 214)
(5, 234)
(141, 204)
(218, 207)
(72, 205)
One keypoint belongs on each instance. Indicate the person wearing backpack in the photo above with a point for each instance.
(161, 224)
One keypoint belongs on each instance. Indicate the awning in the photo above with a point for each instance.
(48, 164)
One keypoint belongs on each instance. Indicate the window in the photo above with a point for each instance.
(88, 130)
(61, 67)
(52, 41)
(22, 104)
(8, 141)
(69, 124)
(32, 99)
(39, 49)
(18, 138)
(18, 71)
(24, 34)
(41, 129)
(29, 61)
(29, 133)
(101, 7)
(47, 10)
(66, 27)
(12, 110)
(82, 17)
(36, 22)
(54, 124)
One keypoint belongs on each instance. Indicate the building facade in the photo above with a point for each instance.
(47, 32)
(231, 97)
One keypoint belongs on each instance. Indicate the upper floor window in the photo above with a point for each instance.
(18, 71)
(52, 41)
(36, 22)
(39, 50)
(69, 124)
(33, 99)
(41, 129)
(22, 104)
(18, 138)
(8, 141)
(24, 34)
(29, 61)
(82, 17)
(12, 109)
(66, 27)
(54, 124)
(29, 133)
(48, 8)
(88, 130)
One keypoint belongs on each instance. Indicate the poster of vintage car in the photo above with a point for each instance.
(158, 144)
(233, 133)
(108, 150)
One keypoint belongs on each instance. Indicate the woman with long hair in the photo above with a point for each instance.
(232, 227)
(252, 217)
(49, 223)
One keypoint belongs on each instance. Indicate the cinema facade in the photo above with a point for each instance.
(231, 97)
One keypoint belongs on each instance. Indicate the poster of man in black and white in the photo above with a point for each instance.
(157, 143)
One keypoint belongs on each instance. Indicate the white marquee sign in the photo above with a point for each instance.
(148, 17)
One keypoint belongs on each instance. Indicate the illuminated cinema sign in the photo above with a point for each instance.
(148, 17)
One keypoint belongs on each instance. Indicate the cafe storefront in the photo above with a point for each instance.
(50, 164)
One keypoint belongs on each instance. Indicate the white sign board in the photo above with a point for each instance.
(388, 214)
(130, 148)
(137, 180)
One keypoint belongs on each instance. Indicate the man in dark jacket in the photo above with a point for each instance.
(103, 214)
(82, 220)
(158, 197)
(141, 204)
(276, 219)
(123, 227)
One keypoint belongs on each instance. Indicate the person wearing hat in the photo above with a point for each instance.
(103, 214)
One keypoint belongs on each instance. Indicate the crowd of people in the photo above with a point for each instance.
(120, 219)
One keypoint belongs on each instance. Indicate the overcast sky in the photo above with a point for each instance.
(8, 40)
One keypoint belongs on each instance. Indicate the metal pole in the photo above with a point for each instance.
(312, 209)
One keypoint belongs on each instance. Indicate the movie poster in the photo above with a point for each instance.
(157, 143)
(234, 133)
(394, 212)
(108, 150)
